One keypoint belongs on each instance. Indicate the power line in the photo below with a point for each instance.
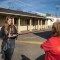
(23, 3)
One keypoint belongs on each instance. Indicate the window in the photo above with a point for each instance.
(43, 22)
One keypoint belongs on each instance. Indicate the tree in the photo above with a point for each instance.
(48, 14)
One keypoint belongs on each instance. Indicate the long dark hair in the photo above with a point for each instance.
(6, 25)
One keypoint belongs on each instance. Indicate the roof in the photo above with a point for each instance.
(19, 13)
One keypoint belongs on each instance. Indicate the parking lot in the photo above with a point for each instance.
(28, 46)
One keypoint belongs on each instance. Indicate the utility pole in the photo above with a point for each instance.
(57, 6)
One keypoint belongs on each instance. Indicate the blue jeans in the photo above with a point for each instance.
(8, 48)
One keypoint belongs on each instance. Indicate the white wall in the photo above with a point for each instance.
(54, 19)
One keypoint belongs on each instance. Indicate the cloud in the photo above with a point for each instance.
(31, 5)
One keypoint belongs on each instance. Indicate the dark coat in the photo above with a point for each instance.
(4, 36)
(7, 43)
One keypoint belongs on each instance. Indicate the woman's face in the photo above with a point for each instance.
(9, 21)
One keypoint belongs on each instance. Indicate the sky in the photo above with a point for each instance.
(41, 6)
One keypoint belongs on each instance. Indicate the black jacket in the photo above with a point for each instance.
(4, 36)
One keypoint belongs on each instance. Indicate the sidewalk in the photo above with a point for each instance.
(33, 31)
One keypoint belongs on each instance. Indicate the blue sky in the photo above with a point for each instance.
(42, 6)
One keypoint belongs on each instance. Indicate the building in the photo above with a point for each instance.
(52, 19)
(24, 21)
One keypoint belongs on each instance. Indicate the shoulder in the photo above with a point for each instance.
(52, 39)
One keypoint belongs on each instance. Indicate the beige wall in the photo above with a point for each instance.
(24, 27)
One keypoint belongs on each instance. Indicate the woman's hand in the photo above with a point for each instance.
(9, 35)
(14, 35)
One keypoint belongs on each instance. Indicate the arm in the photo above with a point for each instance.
(2, 33)
(46, 45)
(15, 30)
(16, 33)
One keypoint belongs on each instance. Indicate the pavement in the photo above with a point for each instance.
(28, 46)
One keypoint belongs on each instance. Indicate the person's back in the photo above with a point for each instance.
(52, 48)
(52, 45)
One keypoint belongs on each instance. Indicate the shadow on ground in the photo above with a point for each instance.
(45, 34)
(42, 57)
(24, 57)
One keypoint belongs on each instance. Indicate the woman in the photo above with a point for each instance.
(8, 35)
(52, 45)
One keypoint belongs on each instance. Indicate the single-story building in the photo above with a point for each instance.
(24, 21)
